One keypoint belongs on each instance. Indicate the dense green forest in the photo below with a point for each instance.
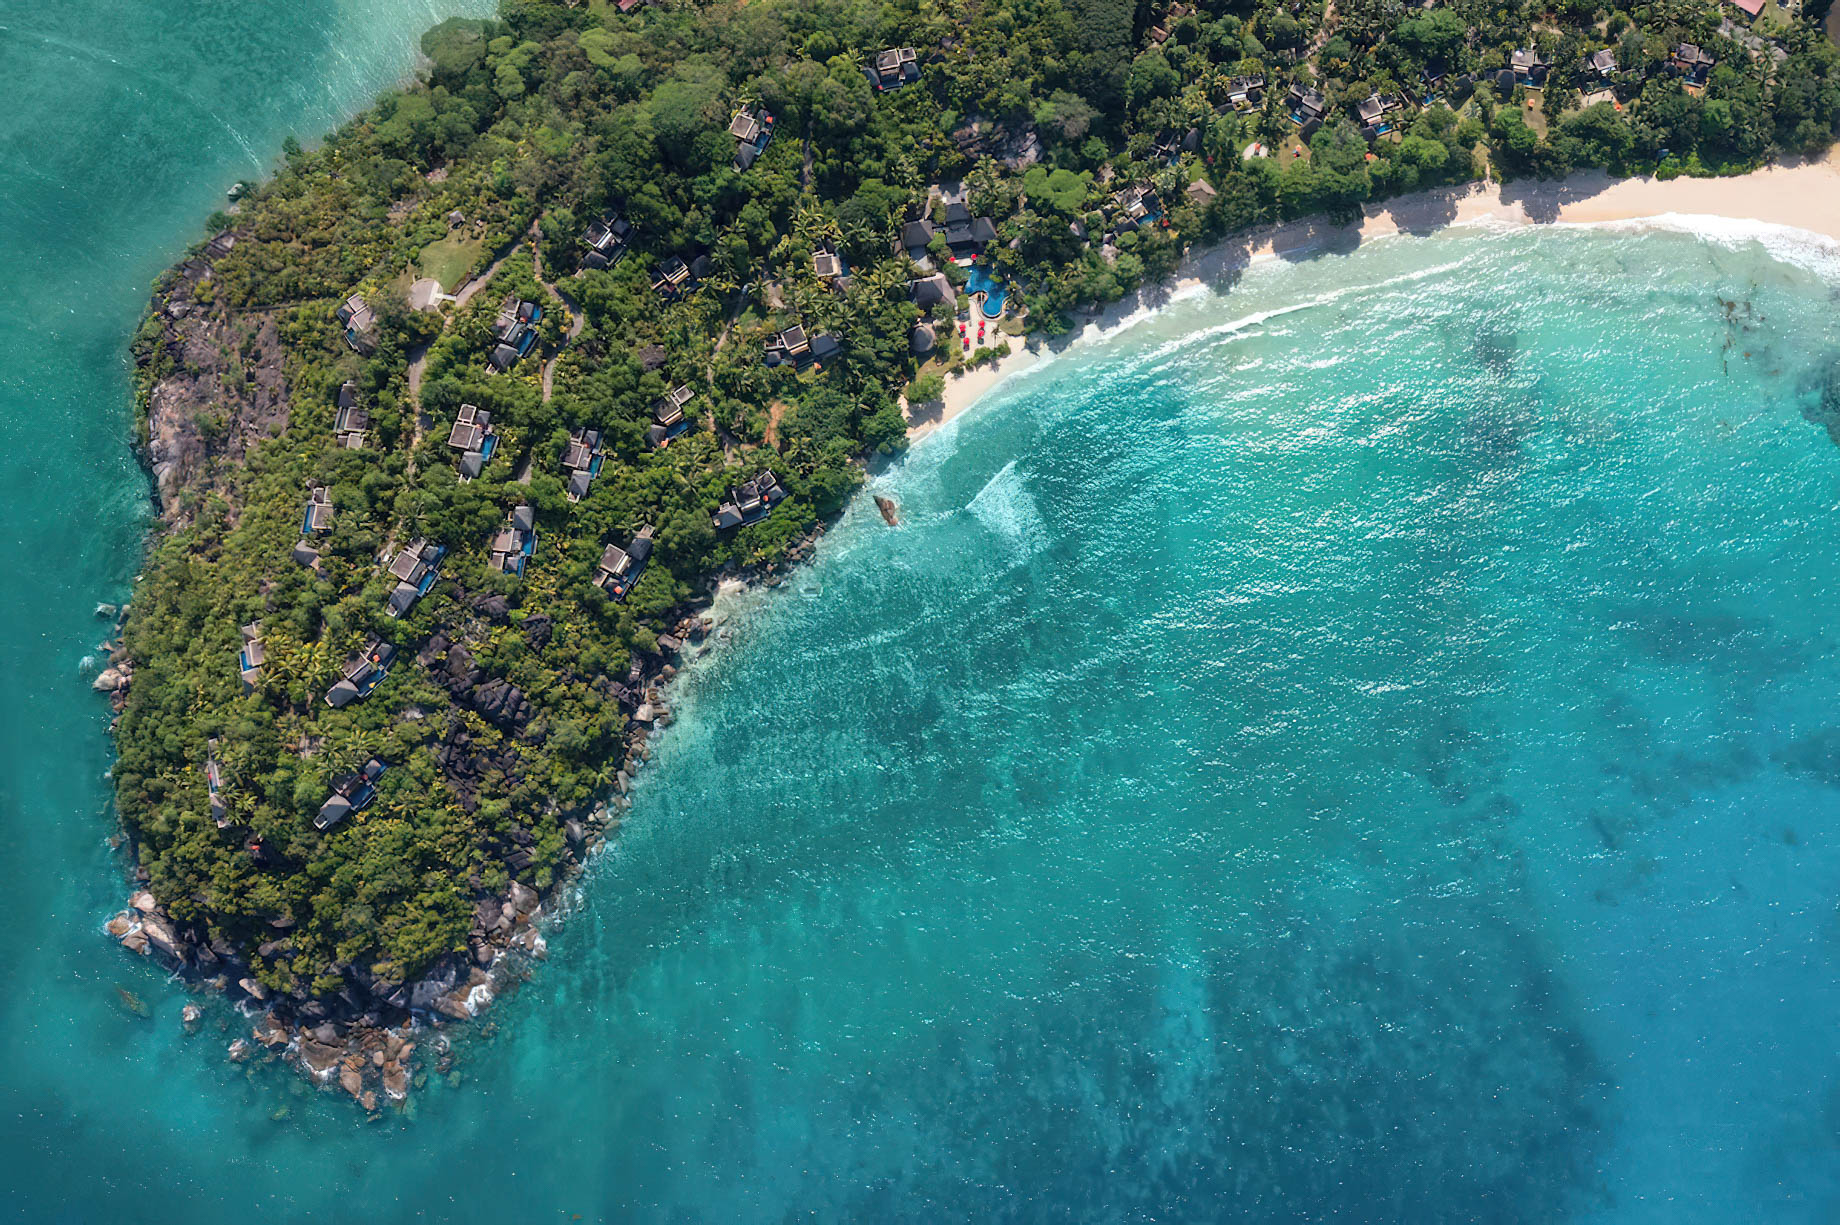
(1097, 139)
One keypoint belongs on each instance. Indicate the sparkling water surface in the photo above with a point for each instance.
(1355, 745)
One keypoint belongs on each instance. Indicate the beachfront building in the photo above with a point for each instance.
(673, 277)
(826, 264)
(606, 241)
(351, 793)
(360, 323)
(749, 503)
(353, 420)
(668, 419)
(361, 672)
(415, 570)
(620, 568)
(514, 331)
(515, 542)
(581, 462)
(1603, 63)
(752, 128)
(472, 436)
(250, 657)
(793, 348)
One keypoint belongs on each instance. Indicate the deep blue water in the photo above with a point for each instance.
(1356, 745)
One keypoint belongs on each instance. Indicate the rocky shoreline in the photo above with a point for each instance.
(375, 1041)
(372, 1039)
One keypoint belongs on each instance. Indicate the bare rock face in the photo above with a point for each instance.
(239, 1050)
(109, 680)
(351, 1081)
(143, 902)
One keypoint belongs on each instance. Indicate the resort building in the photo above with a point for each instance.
(752, 128)
(515, 542)
(606, 241)
(250, 657)
(581, 461)
(318, 518)
(415, 570)
(1529, 68)
(826, 265)
(915, 236)
(967, 235)
(620, 568)
(362, 672)
(1307, 106)
(793, 348)
(1603, 63)
(1137, 206)
(668, 419)
(749, 503)
(1693, 62)
(360, 323)
(348, 428)
(1244, 93)
(929, 291)
(1373, 110)
(513, 332)
(894, 68)
(351, 793)
(474, 438)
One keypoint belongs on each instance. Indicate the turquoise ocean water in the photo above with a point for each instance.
(1360, 745)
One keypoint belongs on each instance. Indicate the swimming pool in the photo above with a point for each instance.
(980, 281)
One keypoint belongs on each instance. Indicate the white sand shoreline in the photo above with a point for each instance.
(1803, 197)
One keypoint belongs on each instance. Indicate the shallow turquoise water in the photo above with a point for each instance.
(1359, 746)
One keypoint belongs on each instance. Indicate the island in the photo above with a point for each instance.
(456, 422)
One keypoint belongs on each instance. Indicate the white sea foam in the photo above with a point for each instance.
(1004, 506)
(1804, 249)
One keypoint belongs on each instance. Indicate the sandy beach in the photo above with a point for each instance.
(1804, 196)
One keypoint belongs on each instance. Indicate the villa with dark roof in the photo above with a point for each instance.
(620, 568)
(415, 570)
(929, 291)
(1603, 63)
(749, 503)
(793, 348)
(893, 68)
(351, 793)
(1307, 105)
(1245, 92)
(967, 235)
(668, 419)
(1693, 62)
(515, 542)
(1373, 110)
(360, 323)
(472, 436)
(514, 331)
(349, 427)
(606, 241)
(1529, 68)
(581, 461)
(752, 128)
(250, 657)
(361, 672)
(1138, 206)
